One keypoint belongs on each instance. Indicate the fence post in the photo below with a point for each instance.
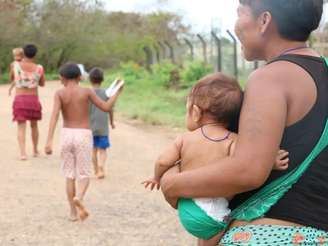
(163, 50)
(235, 58)
(149, 57)
(204, 44)
(171, 49)
(219, 51)
(158, 55)
(191, 47)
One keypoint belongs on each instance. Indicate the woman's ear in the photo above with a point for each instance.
(265, 20)
(196, 113)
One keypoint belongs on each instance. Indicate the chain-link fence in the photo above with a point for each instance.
(222, 52)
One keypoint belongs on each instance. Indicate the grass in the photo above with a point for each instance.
(145, 100)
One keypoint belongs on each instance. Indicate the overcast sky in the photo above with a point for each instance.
(200, 14)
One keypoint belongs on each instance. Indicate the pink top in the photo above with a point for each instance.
(25, 79)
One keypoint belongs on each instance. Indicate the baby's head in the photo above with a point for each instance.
(215, 98)
(70, 72)
(18, 54)
(96, 76)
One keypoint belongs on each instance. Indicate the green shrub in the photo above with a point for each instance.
(131, 71)
(194, 71)
(166, 74)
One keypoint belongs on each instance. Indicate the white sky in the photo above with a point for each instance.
(200, 14)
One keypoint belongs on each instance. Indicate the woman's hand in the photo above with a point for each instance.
(166, 184)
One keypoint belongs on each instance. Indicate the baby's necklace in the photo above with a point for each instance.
(214, 139)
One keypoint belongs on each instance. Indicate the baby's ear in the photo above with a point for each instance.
(196, 113)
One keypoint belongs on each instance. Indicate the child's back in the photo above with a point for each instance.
(74, 101)
(207, 144)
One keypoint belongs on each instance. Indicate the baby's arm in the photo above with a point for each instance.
(104, 106)
(53, 123)
(166, 160)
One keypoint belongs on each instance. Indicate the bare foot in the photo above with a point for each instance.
(101, 173)
(73, 216)
(36, 154)
(82, 211)
(23, 157)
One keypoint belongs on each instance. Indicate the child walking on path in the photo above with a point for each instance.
(99, 121)
(212, 106)
(72, 102)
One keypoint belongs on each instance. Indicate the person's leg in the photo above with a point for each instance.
(83, 185)
(102, 163)
(95, 160)
(71, 193)
(211, 242)
(83, 161)
(35, 137)
(22, 139)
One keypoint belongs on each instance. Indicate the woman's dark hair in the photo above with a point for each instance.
(295, 19)
(96, 75)
(30, 51)
(70, 71)
(219, 96)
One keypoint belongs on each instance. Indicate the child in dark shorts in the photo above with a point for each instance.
(99, 122)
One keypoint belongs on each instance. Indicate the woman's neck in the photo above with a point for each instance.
(28, 60)
(278, 47)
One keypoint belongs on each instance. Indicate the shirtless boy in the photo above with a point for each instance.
(72, 101)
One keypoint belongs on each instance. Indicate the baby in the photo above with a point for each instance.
(72, 101)
(213, 106)
(18, 55)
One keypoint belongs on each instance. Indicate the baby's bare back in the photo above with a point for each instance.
(198, 151)
(75, 107)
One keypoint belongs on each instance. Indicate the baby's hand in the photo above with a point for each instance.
(152, 183)
(48, 149)
(282, 161)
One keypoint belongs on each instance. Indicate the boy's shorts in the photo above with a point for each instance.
(76, 153)
(101, 142)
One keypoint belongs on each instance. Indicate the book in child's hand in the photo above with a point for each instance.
(114, 87)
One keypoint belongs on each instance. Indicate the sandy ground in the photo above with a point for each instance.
(33, 206)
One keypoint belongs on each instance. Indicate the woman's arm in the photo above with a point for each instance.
(262, 123)
(42, 81)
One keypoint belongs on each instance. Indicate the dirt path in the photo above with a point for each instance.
(33, 205)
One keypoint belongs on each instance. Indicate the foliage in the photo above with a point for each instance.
(194, 71)
(81, 31)
(155, 97)
(165, 74)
